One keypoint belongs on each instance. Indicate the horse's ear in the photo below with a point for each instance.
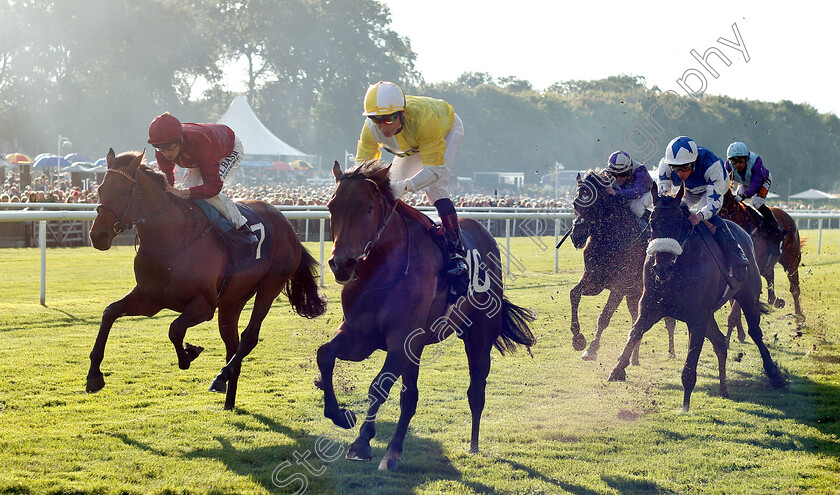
(336, 170)
(654, 190)
(578, 177)
(682, 192)
(109, 158)
(382, 173)
(137, 160)
(143, 156)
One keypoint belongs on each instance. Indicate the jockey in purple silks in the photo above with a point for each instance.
(632, 182)
(753, 180)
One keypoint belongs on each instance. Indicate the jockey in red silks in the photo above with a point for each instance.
(424, 134)
(209, 152)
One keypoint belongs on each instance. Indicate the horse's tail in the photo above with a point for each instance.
(302, 288)
(515, 330)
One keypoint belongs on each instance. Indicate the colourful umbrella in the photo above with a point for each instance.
(301, 165)
(19, 159)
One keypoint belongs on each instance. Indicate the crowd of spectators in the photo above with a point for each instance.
(45, 189)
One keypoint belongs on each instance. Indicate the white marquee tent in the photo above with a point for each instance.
(258, 141)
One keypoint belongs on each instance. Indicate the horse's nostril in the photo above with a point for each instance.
(332, 264)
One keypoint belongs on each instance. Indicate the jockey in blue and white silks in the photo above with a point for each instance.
(705, 184)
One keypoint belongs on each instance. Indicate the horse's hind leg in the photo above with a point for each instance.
(671, 325)
(250, 338)
(718, 341)
(613, 301)
(753, 315)
(478, 345)
(734, 321)
(132, 304)
(229, 331)
(196, 312)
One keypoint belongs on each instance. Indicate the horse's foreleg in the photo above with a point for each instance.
(408, 406)
(753, 316)
(343, 345)
(718, 341)
(197, 311)
(132, 304)
(395, 363)
(647, 317)
(793, 280)
(604, 318)
(696, 336)
(578, 340)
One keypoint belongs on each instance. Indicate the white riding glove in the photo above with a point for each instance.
(399, 188)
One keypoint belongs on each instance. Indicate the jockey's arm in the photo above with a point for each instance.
(759, 173)
(665, 182)
(716, 187)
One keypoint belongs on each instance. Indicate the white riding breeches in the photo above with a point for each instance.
(225, 205)
(639, 205)
(408, 167)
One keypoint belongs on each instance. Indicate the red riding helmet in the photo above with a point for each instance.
(164, 129)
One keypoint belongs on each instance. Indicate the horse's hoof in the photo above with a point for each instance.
(673, 355)
(617, 375)
(779, 303)
(390, 462)
(579, 342)
(219, 385)
(359, 452)
(95, 384)
(191, 352)
(589, 356)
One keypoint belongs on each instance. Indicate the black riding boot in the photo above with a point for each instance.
(459, 279)
(732, 251)
(775, 234)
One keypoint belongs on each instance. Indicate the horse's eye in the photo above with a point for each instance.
(370, 210)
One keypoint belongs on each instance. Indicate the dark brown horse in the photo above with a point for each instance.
(181, 265)
(613, 255)
(683, 278)
(791, 254)
(395, 299)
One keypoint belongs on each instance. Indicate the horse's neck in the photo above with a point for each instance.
(390, 251)
(616, 222)
(163, 223)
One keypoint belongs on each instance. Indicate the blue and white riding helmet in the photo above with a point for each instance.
(681, 151)
(619, 162)
(737, 149)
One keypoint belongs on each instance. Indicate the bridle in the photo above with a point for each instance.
(122, 224)
(384, 223)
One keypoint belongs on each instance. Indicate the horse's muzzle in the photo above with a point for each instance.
(344, 269)
(101, 240)
(663, 269)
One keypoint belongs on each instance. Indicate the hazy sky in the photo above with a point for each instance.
(791, 49)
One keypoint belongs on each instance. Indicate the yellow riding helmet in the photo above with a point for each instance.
(383, 98)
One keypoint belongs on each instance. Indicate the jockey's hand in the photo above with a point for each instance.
(178, 193)
(738, 198)
(399, 188)
(694, 219)
(610, 191)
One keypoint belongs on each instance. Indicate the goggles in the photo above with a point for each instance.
(683, 168)
(384, 119)
(738, 159)
(166, 147)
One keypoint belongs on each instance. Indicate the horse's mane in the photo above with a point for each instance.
(595, 175)
(367, 170)
(125, 158)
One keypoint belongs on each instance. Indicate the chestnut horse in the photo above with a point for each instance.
(394, 298)
(683, 278)
(613, 255)
(181, 265)
(791, 255)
